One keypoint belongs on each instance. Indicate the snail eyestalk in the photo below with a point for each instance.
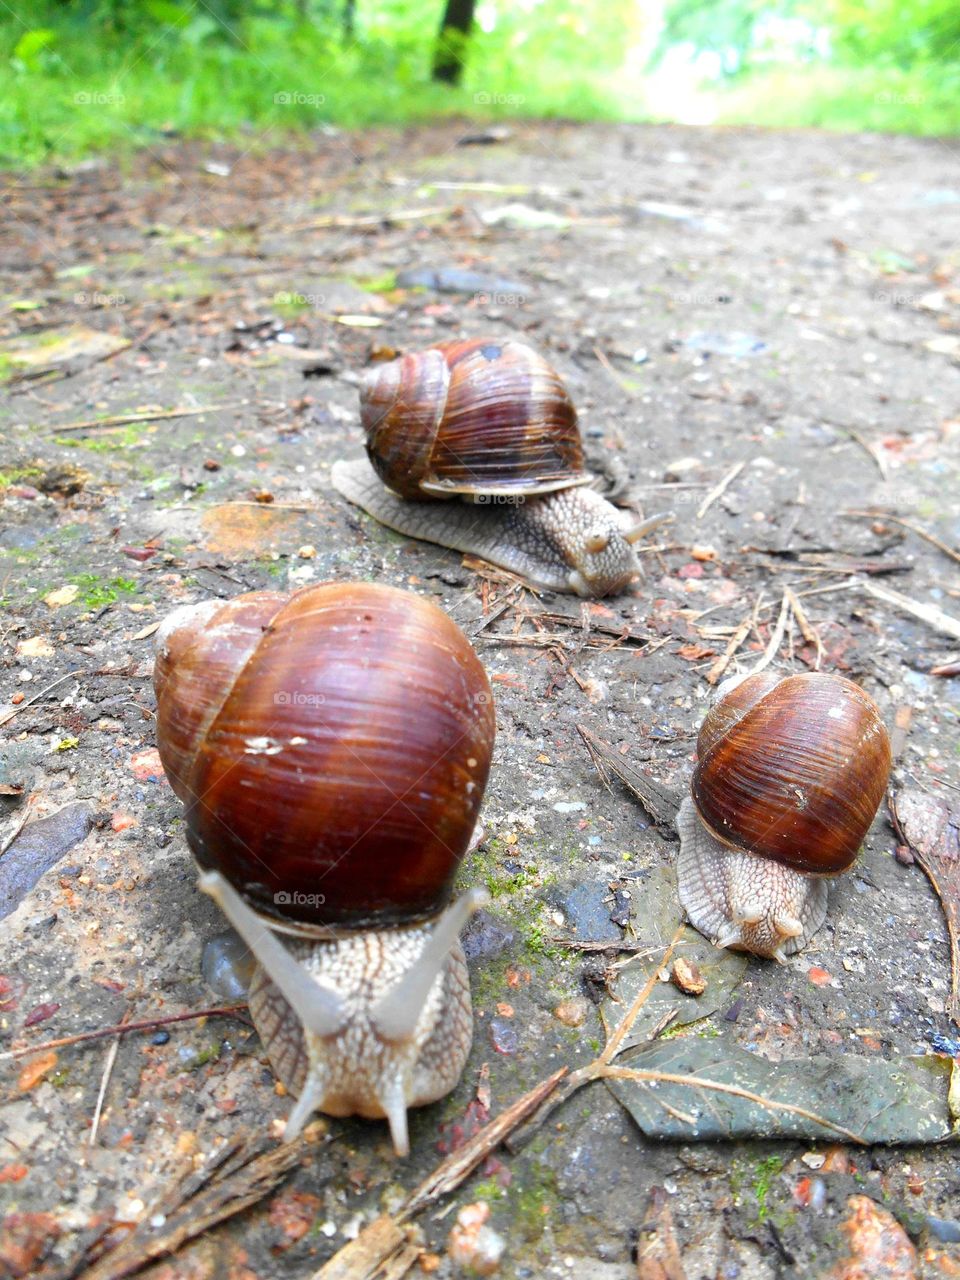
(318, 1008)
(640, 530)
(397, 1013)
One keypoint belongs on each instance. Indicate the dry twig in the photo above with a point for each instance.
(914, 528)
(148, 1024)
(928, 613)
(124, 419)
(720, 489)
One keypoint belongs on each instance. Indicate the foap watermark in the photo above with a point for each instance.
(887, 98)
(499, 99)
(297, 99)
(499, 499)
(500, 299)
(97, 299)
(285, 299)
(295, 698)
(899, 298)
(297, 899)
(687, 298)
(95, 98)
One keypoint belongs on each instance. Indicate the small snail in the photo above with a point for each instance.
(331, 749)
(789, 776)
(490, 423)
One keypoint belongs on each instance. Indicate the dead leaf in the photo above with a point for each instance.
(902, 1101)
(48, 351)
(25, 1240)
(35, 647)
(238, 532)
(35, 1069)
(146, 631)
(932, 830)
(658, 1254)
(62, 596)
(293, 1213)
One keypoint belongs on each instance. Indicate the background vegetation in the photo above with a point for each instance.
(77, 75)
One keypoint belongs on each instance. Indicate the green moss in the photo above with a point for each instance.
(377, 284)
(289, 305)
(96, 592)
(767, 1171)
(125, 438)
(210, 1054)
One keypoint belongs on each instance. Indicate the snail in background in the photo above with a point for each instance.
(489, 423)
(331, 749)
(789, 776)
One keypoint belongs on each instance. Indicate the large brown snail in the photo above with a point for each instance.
(490, 425)
(789, 776)
(331, 749)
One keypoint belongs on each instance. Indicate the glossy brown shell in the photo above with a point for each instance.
(793, 770)
(331, 749)
(476, 417)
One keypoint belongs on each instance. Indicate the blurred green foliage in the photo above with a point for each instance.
(78, 75)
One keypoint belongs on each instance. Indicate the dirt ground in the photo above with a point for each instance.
(788, 302)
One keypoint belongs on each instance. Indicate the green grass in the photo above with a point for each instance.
(85, 92)
(81, 89)
(925, 100)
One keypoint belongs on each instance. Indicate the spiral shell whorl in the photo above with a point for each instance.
(477, 417)
(797, 776)
(331, 749)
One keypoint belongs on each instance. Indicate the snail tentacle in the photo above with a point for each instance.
(739, 900)
(320, 1010)
(397, 1013)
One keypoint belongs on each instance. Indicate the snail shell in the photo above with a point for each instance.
(476, 417)
(331, 749)
(789, 776)
(489, 423)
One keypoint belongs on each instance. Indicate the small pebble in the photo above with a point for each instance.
(686, 977)
(503, 1036)
(472, 1244)
(944, 1230)
(572, 1013)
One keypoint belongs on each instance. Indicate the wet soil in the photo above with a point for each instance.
(788, 302)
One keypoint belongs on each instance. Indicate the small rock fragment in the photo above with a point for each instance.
(503, 1036)
(472, 1244)
(813, 1159)
(944, 1230)
(877, 1242)
(686, 976)
(572, 1013)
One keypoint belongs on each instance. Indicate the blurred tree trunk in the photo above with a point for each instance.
(451, 42)
(349, 20)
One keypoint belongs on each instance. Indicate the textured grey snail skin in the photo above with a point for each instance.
(741, 901)
(569, 540)
(367, 1023)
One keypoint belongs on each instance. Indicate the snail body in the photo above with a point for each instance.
(489, 425)
(331, 749)
(789, 776)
